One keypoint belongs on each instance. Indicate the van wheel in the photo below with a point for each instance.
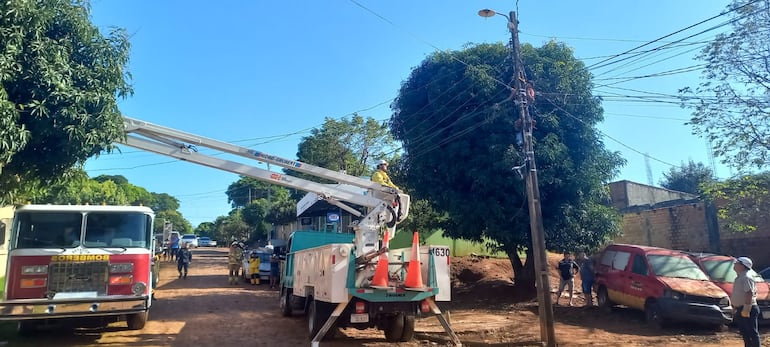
(603, 300)
(653, 316)
(286, 302)
(27, 327)
(395, 328)
(136, 321)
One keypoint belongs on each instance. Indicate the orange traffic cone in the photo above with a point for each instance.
(413, 273)
(381, 276)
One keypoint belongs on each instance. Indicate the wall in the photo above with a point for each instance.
(677, 227)
(755, 245)
(626, 194)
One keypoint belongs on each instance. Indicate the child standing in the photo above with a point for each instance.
(183, 260)
(254, 267)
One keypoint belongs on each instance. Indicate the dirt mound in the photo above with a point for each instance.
(488, 283)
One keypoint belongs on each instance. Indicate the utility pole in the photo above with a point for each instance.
(523, 94)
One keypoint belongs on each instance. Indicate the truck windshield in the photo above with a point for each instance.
(64, 229)
(675, 266)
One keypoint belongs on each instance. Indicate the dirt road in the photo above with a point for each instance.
(204, 311)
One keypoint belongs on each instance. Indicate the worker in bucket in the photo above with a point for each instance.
(234, 260)
(381, 175)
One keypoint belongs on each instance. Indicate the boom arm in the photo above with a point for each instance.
(379, 199)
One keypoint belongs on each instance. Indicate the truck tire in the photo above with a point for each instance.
(395, 328)
(653, 315)
(27, 327)
(317, 314)
(408, 333)
(286, 300)
(136, 321)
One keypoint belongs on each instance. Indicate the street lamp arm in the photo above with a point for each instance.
(486, 13)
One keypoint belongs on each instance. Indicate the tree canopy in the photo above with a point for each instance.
(730, 105)
(59, 82)
(742, 202)
(459, 137)
(349, 145)
(688, 177)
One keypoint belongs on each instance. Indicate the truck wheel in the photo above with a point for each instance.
(136, 321)
(317, 314)
(27, 327)
(603, 300)
(286, 302)
(408, 333)
(395, 328)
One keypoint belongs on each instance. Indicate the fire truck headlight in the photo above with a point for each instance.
(138, 288)
(34, 270)
(121, 267)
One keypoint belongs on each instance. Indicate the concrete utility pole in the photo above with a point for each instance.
(522, 95)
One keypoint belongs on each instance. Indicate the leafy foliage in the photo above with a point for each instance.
(687, 178)
(59, 81)
(460, 147)
(349, 145)
(730, 106)
(742, 203)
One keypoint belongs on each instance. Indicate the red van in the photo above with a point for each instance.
(666, 284)
(719, 268)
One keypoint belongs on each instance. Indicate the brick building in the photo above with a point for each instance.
(665, 218)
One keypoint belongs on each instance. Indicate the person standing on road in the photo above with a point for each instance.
(183, 260)
(567, 270)
(275, 268)
(744, 300)
(174, 244)
(587, 278)
(254, 267)
(234, 260)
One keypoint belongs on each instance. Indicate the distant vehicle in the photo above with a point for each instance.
(206, 242)
(719, 268)
(666, 284)
(190, 239)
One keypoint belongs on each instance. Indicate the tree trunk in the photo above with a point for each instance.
(524, 275)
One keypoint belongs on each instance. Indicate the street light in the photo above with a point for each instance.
(522, 95)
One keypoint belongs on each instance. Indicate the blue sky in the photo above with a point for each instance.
(262, 73)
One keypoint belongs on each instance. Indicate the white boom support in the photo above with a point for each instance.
(379, 199)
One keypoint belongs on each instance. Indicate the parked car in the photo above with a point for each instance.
(765, 274)
(719, 268)
(666, 284)
(204, 241)
(190, 239)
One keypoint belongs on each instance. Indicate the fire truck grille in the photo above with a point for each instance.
(69, 277)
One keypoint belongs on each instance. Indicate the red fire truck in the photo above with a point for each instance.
(79, 262)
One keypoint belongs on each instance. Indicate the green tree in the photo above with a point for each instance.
(247, 189)
(730, 105)
(349, 145)
(687, 178)
(459, 137)
(742, 202)
(174, 217)
(59, 83)
(207, 229)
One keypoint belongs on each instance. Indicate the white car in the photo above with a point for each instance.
(204, 241)
(190, 239)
